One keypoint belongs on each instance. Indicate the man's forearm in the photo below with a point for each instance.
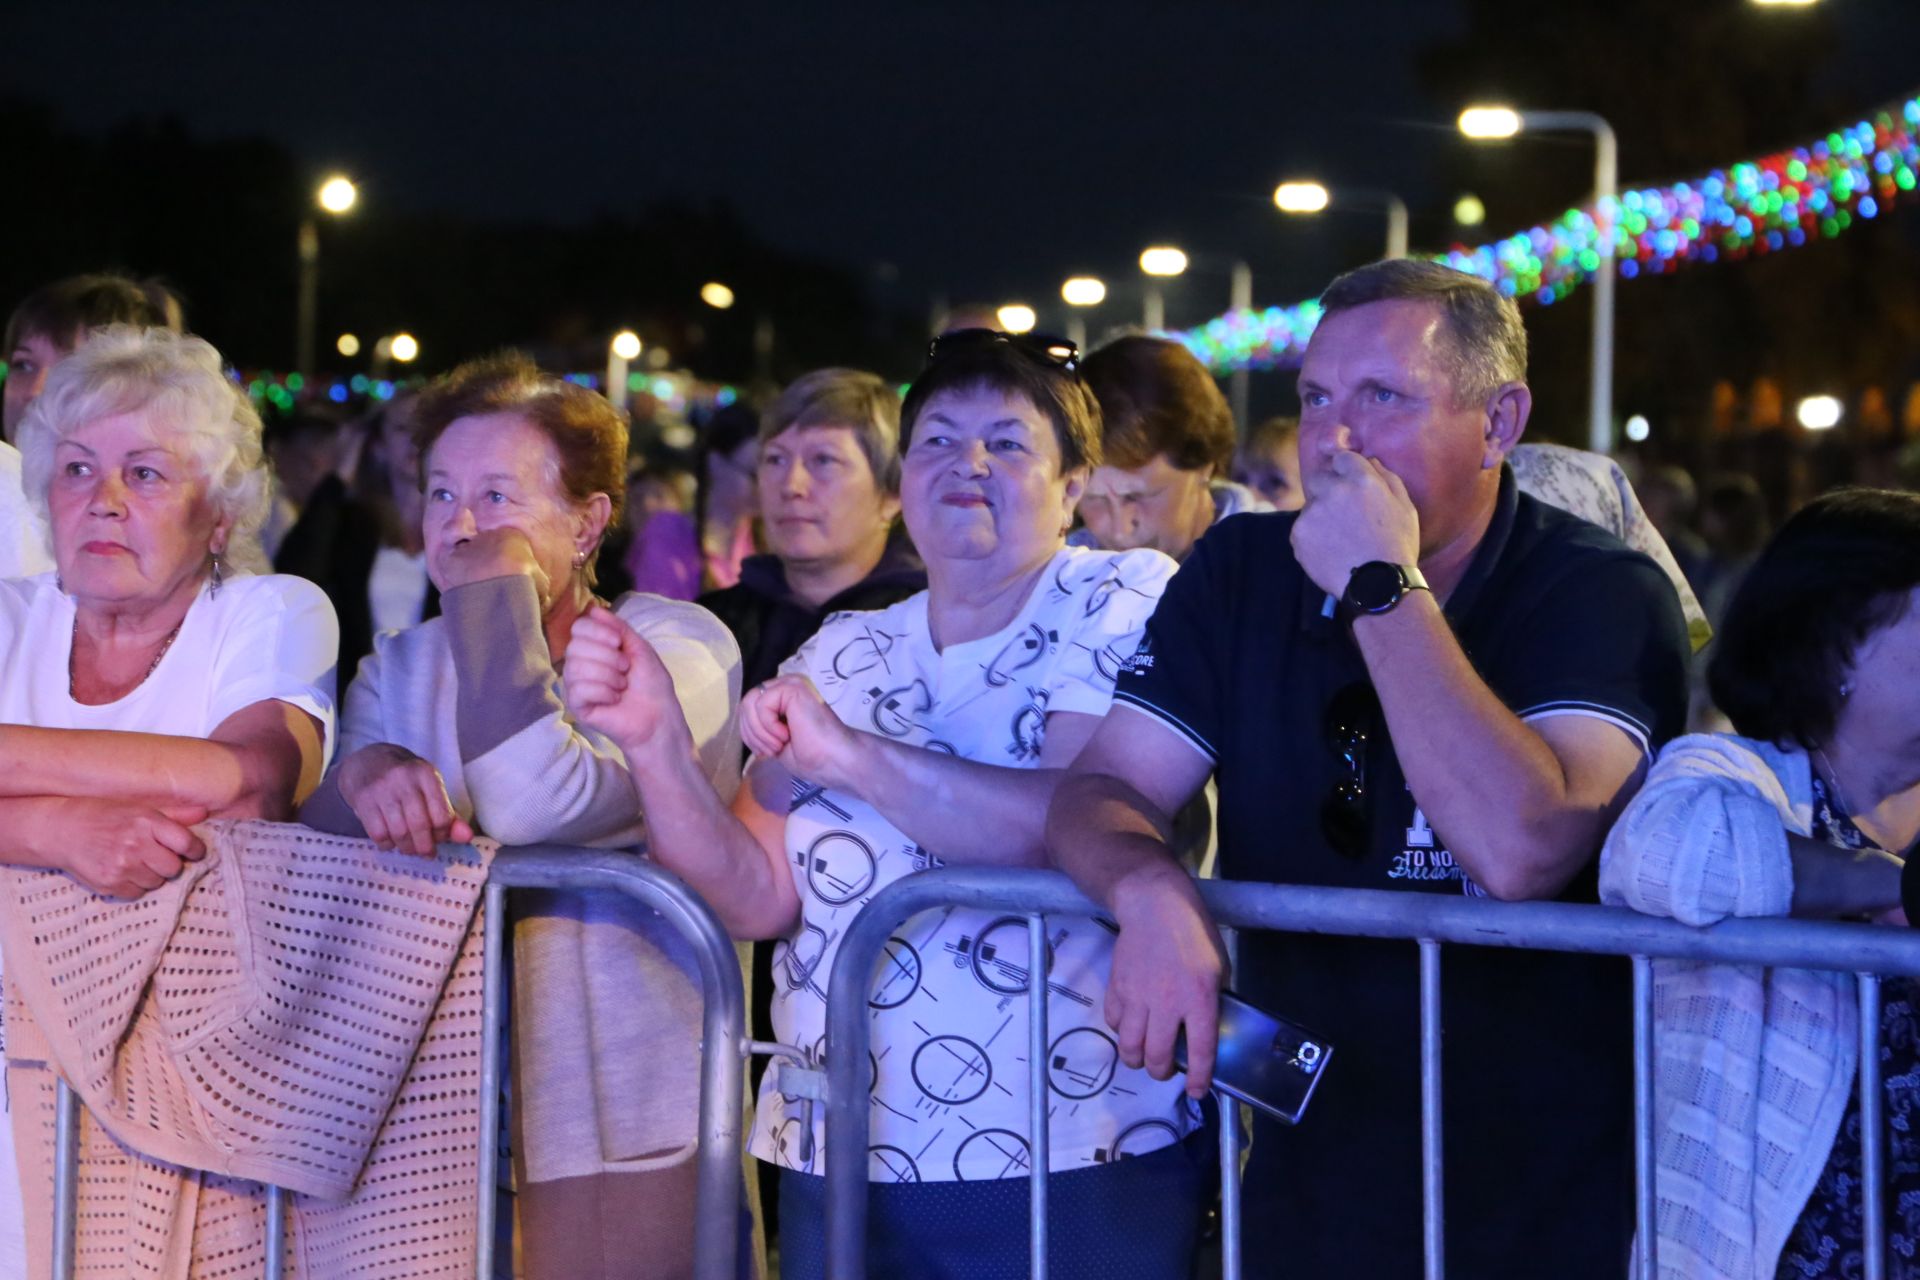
(1108, 837)
(960, 810)
(1490, 785)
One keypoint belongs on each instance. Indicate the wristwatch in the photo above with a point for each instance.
(1377, 586)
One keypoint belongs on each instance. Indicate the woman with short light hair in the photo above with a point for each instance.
(154, 680)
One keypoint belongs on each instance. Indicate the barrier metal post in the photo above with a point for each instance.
(1432, 1176)
(1645, 1238)
(1873, 1130)
(1429, 919)
(1229, 1187)
(1041, 1161)
(492, 1016)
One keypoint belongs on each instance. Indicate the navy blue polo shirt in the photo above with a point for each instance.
(1242, 658)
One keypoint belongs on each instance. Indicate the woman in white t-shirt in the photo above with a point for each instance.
(933, 732)
(150, 682)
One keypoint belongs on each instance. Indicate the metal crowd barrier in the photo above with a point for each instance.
(722, 1068)
(1428, 919)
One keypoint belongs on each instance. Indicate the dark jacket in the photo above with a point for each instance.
(771, 623)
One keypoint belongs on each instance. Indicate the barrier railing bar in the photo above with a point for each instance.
(491, 1020)
(1376, 913)
(1873, 1130)
(722, 1069)
(1229, 1187)
(1645, 1242)
(1432, 1176)
(66, 1180)
(1038, 1144)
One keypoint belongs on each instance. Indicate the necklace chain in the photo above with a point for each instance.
(153, 666)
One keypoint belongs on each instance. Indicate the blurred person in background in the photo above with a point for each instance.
(46, 327)
(1670, 498)
(358, 533)
(154, 679)
(1734, 523)
(1810, 808)
(681, 555)
(457, 727)
(1168, 441)
(1269, 463)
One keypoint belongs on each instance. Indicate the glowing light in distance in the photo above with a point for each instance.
(1489, 122)
(1163, 260)
(1638, 428)
(337, 194)
(347, 345)
(716, 295)
(626, 344)
(404, 347)
(1300, 197)
(1818, 413)
(1469, 211)
(1084, 291)
(1016, 317)
(1786, 4)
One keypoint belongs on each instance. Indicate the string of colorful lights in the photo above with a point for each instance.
(1757, 207)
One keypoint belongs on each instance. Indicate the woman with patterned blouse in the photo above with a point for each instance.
(926, 733)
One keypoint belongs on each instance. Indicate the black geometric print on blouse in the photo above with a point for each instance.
(1015, 1156)
(1000, 962)
(895, 710)
(863, 653)
(1030, 726)
(840, 867)
(1139, 1139)
(1019, 653)
(897, 976)
(890, 1165)
(1081, 1063)
(806, 793)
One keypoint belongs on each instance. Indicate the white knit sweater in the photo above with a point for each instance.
(1753, 1066)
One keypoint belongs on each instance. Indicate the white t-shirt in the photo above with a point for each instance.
(260, 638)
(23, 542)
(397, 589)
(948, 999)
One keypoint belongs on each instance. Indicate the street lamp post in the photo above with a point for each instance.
(1504, 122)
(624, 348)
(1160, 262)
(1240, 386)
(1080, 293)
(1311, 197)
(336, 196)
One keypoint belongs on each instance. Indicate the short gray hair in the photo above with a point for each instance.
(1487, 341)
(862, 402)
(178, 382)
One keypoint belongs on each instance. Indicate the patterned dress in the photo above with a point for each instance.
(1829, 1240)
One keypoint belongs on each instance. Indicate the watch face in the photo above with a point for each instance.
(1374, 586)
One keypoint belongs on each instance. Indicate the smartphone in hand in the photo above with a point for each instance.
(1264, 1061)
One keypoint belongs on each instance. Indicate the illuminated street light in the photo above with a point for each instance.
(1638, 428)
(624, 347)
(1159, 262)
(1016, 317)
(1469, 211)
(1311, 197)
(1786, 4)
(626, 344)
(716, 295)
(1505, 122)
(347, 345)
(1490, 122)
(404, 348)
(1163, 260)
(1300, 197)
(1083, 291)
(1818, 413)
(337, 194)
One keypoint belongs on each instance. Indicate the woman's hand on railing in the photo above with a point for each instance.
(118, 848)
(400, 800)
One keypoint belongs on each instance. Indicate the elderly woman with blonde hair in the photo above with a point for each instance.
(156, 679)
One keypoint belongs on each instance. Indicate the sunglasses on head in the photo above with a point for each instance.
(1352, 720)
(1057, 353)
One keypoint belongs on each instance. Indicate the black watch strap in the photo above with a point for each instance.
(1378, 585)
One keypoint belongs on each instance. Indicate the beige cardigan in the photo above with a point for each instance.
(296, 1009)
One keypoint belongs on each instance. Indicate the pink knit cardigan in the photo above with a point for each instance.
(297, 1008)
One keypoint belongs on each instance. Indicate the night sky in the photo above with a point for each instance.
(966, 151)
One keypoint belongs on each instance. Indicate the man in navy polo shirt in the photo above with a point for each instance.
(1425, 681)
